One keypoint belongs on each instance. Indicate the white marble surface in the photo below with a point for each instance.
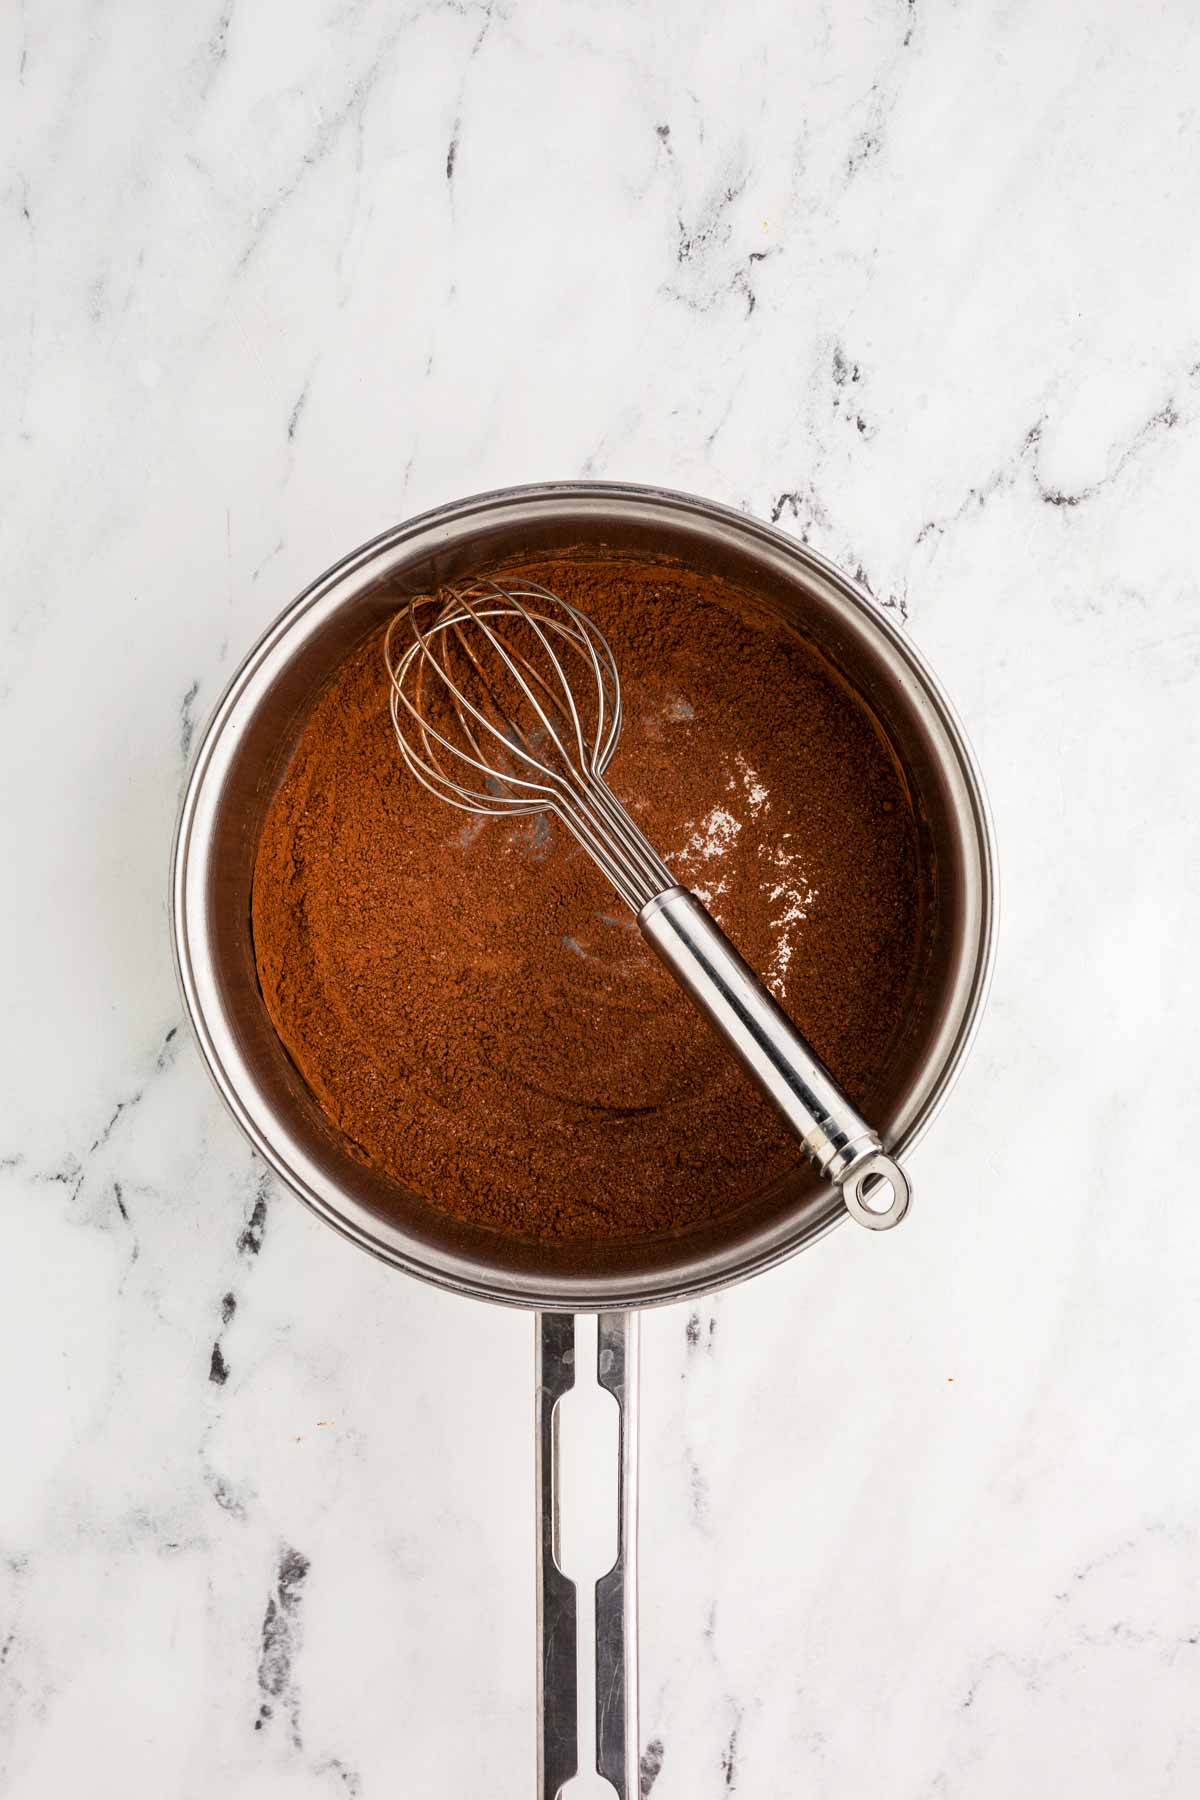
(921, 1514)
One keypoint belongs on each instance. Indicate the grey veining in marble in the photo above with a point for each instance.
(916, 280)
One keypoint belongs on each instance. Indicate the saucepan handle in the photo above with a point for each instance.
(616, 1592)
(557, 1615)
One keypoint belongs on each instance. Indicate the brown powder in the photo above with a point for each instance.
(473, 1006)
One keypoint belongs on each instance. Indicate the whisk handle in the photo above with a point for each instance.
(724, 987)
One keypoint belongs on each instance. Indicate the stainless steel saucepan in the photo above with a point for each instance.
(239, 762)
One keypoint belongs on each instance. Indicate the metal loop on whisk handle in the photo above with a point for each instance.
(785, 1069)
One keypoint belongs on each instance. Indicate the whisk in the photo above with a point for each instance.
(506, 700)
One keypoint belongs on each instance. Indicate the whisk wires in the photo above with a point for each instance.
(507, 700)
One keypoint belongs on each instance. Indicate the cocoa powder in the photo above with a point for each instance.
(474, 1008)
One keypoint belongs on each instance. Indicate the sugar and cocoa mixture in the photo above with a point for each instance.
(473, 1006)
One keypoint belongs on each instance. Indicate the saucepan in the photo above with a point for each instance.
(238, 764)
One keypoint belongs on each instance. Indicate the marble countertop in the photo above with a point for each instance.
(920, 1513)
